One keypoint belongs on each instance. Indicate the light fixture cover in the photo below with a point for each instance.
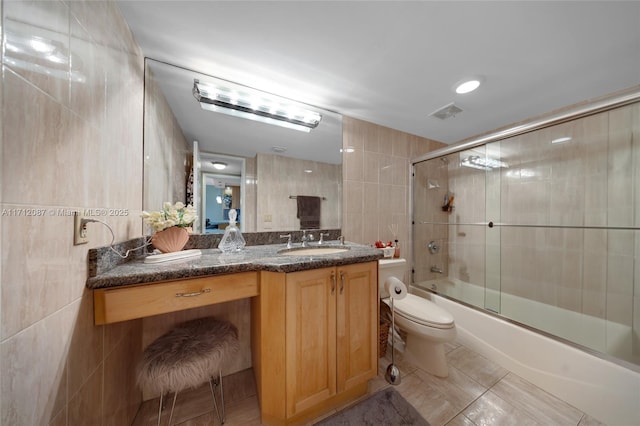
(219, 165)
(482, 163)
(241, 101)
(467, 85)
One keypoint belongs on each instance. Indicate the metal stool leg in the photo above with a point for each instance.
(222, 396)
(215, 403)
(160, 407)
(175, 395)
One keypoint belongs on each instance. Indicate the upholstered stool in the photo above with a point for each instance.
(187, 356)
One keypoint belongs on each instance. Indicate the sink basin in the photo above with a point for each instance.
(312, 251)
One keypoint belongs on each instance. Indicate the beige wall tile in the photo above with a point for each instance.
(33, 365)
(376, 181)
(165, 151)
(379, 170)
(26, 18)
(43, 271)
(69, 141)
(280, 177)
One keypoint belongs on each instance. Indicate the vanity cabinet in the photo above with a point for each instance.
(315, 338)
(139, 301)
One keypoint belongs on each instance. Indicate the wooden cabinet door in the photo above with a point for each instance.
(357, 324)
(310, 338)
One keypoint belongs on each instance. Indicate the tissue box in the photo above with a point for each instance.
(388, 251)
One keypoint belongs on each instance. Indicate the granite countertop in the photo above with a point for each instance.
(213, 262)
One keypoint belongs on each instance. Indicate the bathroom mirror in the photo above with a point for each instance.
(277, 163)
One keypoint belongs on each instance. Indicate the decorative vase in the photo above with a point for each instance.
(171, 239)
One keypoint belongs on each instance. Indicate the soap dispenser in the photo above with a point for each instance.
(232, 240)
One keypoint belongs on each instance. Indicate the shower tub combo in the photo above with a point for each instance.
(530, 238)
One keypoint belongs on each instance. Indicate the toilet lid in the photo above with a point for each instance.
(422, 311)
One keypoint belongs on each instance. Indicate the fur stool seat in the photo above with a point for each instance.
(189, 355)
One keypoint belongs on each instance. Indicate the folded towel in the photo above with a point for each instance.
(308, 211)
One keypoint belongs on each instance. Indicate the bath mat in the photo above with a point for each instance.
(385, 407)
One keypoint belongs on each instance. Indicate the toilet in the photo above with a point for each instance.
(427, 325)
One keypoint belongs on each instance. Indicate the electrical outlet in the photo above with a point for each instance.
(267, 218)
(80, 233)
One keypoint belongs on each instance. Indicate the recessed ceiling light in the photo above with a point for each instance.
(219, 165)
(308, 171)
(467, 85)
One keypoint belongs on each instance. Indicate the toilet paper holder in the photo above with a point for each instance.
(396, 289)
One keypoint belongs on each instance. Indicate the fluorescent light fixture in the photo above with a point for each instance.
(244, 102)
(467, 85)
(219, 165)
(561, 140)
(482, 163)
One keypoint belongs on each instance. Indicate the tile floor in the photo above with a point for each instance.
(477, 392)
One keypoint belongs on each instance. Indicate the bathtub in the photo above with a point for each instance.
(604, 390)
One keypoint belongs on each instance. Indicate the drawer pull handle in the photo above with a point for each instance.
(333, 282)
(342, 278)
(195, 293)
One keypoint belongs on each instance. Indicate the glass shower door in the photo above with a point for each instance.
(450, 231)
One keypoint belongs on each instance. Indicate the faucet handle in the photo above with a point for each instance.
(288, 236)
(322, 237)
(341, 238)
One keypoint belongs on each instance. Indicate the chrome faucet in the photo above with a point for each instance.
(306, 238)
(288, 236)
(322, 237)
(436, 270)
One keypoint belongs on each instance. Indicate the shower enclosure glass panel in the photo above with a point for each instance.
(449, 214)
(542, 228)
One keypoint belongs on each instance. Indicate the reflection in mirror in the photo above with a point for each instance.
(275, 164)
(222, 190)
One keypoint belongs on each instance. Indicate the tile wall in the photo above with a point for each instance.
(165, 151)
(280, 176)
(376, 177)
(71, 139)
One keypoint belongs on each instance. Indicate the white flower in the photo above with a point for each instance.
(171, 215)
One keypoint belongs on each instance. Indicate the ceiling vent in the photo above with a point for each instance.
(446, 111)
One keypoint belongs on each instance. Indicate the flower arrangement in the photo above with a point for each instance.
(171, 215)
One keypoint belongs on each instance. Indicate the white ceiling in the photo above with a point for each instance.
(393, 63)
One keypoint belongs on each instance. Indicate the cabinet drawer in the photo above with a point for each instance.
(138, 301)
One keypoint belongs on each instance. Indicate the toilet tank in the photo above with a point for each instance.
(390, 268)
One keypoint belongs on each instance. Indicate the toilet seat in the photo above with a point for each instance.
(422, 311)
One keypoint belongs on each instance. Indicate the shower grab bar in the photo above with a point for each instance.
(515, 225)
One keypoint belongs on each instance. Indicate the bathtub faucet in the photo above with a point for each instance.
(436, 269)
